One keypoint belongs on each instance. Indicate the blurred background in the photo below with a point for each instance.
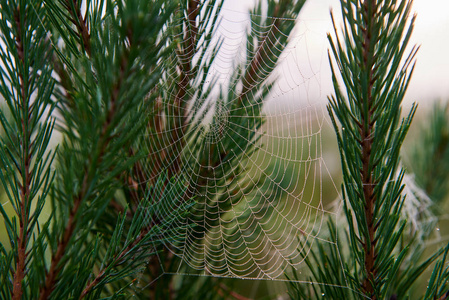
(431, 32)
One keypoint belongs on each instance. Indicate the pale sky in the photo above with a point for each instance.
(431, 77)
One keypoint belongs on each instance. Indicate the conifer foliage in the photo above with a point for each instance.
(116, 81)
(370, 77)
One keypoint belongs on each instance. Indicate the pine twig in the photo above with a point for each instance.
(104, 140)
(116, 260)
(26, 177)
(366, 132)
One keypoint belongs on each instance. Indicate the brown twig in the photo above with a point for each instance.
(118, 259)
(54, 269)
(22, 242)
(249, 80)
(52, 273)
(105, 138)
(366, 130)
(444, 297)
(80, 23)
(185, 66)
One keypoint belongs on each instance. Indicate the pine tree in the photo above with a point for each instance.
(100, 74)
(370, 79)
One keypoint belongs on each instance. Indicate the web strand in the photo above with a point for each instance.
(264, 193)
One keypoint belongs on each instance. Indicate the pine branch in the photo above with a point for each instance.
(375, 36)
(185, 52)
(26, 176)
(438, 284)
(52, 273)
(116, 261)
(98, 153)
(251, 76)
(366, 132)
(366, 118)
(97, 131)
(270, 44)
(86, 183)
(26, 87)
(74, 9)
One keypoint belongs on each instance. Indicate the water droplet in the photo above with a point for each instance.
(438, 229)
(322, 294)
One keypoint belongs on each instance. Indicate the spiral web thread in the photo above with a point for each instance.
(249, 218)
(259, 235)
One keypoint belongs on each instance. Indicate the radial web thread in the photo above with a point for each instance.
(257, 178)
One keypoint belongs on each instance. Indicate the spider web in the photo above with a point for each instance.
(258, 190)
(249, 218)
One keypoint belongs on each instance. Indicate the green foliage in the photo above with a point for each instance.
(438, 287)
(27, 87)
(125, 85)
(105, 77)
(370, 132)
(214, 153)
(429, 158)
(148, 138)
